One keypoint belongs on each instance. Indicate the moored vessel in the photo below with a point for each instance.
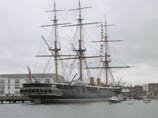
(115, 99)
(76, 90)
(146, 100)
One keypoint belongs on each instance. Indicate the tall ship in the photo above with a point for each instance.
(80, 87)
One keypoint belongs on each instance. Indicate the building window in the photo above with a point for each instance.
(8, 81)
(2, 84)
(47, 81)
(17, 92)
(17, 84)
(8, 84)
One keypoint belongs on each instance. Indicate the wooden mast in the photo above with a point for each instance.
(104, 48)
(80, 42)
(106, 52)
(106, 61)
(56, 49)
(80, 51)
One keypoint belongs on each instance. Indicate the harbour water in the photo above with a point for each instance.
(136, 109)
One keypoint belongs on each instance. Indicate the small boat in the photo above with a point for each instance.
(130, 101)
(147, 100)
(115, 99)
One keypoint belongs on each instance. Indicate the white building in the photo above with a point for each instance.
(10, 84)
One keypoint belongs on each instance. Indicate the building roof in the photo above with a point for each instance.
(35, 75)
(152, 83)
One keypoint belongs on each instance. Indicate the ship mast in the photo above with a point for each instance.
(106, 52)
(106, 61)
(80, 50)
(104, 45)
(55, 49)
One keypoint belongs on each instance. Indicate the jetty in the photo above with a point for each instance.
(14, 99)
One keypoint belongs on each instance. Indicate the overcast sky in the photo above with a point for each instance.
(136, 23)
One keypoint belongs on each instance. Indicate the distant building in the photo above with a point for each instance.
(138, 90)
(153, 89)
(126, 92)
(145, 88)
(135, 91)
(10, 84)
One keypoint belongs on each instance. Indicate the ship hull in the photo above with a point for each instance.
(70, 100)
(68, 93)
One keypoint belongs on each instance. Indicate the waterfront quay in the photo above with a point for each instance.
(13, 99)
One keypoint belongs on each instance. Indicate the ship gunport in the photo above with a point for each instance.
(40, 91)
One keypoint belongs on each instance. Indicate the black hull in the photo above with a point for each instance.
(67, 93)
(114, 101)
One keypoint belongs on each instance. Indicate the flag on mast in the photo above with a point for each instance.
(30, 75)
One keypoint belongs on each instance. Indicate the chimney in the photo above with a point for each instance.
(98, 82)
(91, 80)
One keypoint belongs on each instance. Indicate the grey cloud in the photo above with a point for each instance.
(136, 23)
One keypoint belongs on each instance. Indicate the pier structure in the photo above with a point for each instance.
(14, 99)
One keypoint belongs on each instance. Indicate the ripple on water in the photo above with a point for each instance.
(84, 110)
